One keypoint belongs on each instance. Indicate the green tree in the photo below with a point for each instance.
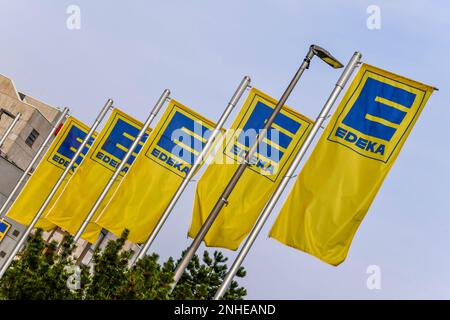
(112, 279)
(41, 272)
(203, 279)
(110, 271)
(148, 280)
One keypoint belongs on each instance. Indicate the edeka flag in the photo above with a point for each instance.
(341, 178)
(259, 181)
(54, 162)
(147, 189)
(86, 185)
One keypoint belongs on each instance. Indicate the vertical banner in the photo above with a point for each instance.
(168, 155)
(346, 169)
(85, 186)
(257, 184)
(54, 162)
(4, 227)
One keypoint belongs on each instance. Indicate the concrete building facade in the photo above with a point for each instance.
(21, 145)
(29, 133)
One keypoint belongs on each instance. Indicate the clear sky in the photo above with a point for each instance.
(130, 51)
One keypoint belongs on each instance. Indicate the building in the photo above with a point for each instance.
(21, 145)
(30, 132)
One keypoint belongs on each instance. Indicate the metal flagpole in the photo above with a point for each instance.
(10, 128)
(234, 100)
(33, 162)
(98, 202)
(346, 74)
(223, 200)
(100, 241)
(55, 188)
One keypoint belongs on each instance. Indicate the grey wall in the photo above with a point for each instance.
(9, 175)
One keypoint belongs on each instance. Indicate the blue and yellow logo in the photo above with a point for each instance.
(279, 143)
(120, 134)
(179, 139)
(69, 139)
(4, 227)
(377, 115)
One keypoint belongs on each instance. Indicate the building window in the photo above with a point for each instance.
(32, 138)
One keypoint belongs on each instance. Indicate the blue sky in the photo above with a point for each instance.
(201, 50)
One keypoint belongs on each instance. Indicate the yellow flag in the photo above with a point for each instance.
(85, 186)
(346, 169)
(147, 189)
(4, 227)
(259, 181)
(54, 162)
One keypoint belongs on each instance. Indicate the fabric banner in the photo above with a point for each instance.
(85, 186)
(347, 167)
(38, 187)
(259, 181)
(147, 189)
(167, 157)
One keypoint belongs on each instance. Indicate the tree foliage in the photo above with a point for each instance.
(43, 269)
(203, 279)
(40, 273)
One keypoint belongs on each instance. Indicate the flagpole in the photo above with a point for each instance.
(223, 199)
(33, 162)
(345, 76)
(10, 128)
(101, 198)
(198, 162)
(55, 188)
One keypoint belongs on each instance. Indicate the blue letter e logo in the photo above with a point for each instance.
(379, 109)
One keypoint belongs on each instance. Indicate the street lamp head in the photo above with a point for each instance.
(326, 56)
